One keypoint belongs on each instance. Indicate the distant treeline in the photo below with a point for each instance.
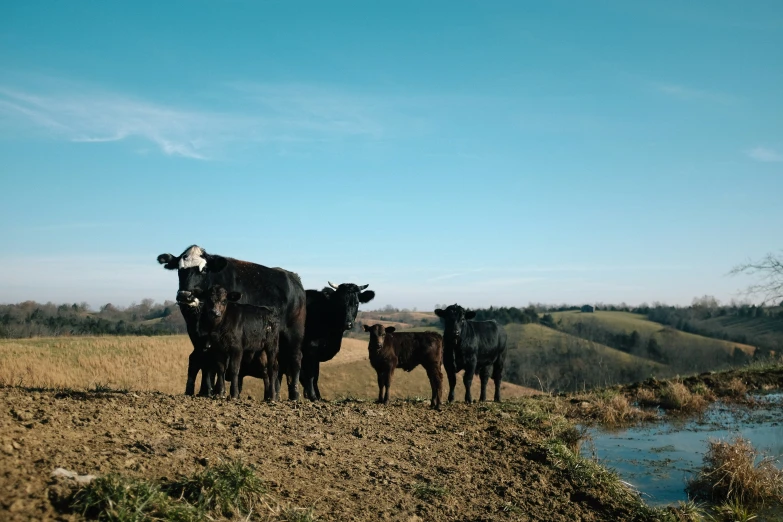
(31, 319)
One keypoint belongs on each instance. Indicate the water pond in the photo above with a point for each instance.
(658, 459)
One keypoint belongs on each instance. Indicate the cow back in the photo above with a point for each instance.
(415, 348)
(264, 286)
(484, 340)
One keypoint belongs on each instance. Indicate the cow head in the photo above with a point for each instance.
(377, 335)
(455, 318)
(193, 267)
(344, 303)
(213, 306)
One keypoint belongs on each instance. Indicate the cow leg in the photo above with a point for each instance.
(233, 372)
(195, 361)
(381, 384)
(436, 381)
(452, 376)
(270, 383)
(497, 376)
(316, 373)
(467, 380)
(294, 369)
(309, 365)
(388, 380)
(220, 384)
(293, 382)
(484, 376)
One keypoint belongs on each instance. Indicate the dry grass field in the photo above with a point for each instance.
(160, 364)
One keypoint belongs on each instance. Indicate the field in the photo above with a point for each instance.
(627, 322)
(114, 405)
(400, 320)
(160, 364)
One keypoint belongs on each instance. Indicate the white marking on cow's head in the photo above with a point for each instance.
(193, 257)
(194, 302)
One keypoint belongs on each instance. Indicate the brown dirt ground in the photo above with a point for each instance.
(350, 461)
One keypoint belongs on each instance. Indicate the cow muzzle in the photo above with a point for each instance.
(187, 298)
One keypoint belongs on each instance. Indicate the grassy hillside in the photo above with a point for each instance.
(541, 357)
(627, 322)
(398, 319)
(762, 331)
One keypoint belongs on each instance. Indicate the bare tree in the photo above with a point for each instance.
(769, 270)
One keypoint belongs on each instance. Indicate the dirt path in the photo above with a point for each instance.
(350, 461)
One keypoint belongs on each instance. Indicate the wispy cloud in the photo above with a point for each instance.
(764, 154)
(282, 114)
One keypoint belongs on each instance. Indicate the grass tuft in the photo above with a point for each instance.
(733, 511)
(122, 499)
(735, 389)
(428, 491)
(228, 488)
(690, 511)
(734, 472)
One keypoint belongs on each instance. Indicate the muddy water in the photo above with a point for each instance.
(659, 459)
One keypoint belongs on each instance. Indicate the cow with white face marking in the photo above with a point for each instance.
(260, 286)
(330, 313)
(473, 346)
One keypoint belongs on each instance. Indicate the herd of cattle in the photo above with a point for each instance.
(247, 319)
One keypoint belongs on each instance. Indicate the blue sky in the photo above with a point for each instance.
(443, 151)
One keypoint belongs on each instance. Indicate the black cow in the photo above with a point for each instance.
(405, 350)
(330, 312)
(259, 285)
(236, 333)
(472, 346)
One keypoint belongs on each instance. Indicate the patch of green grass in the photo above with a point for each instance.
(690, 511)
(733, 511)
(428, 491)
(117, 498)
(229, 488)
(587, 473)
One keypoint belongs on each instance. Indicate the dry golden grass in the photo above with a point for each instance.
(617, 410)
(676, 396)
(160, 364)
(137, 363)
(731, 472)
(735, 388)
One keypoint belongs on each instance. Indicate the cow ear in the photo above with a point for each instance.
(366, 297)
(216, 263)
(168, 261)
(389, 329)
(234, 296)
(366, 328)
(439, 312)
(470, 315)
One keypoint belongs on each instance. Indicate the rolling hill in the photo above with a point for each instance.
(550, 359)
(626, 322)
